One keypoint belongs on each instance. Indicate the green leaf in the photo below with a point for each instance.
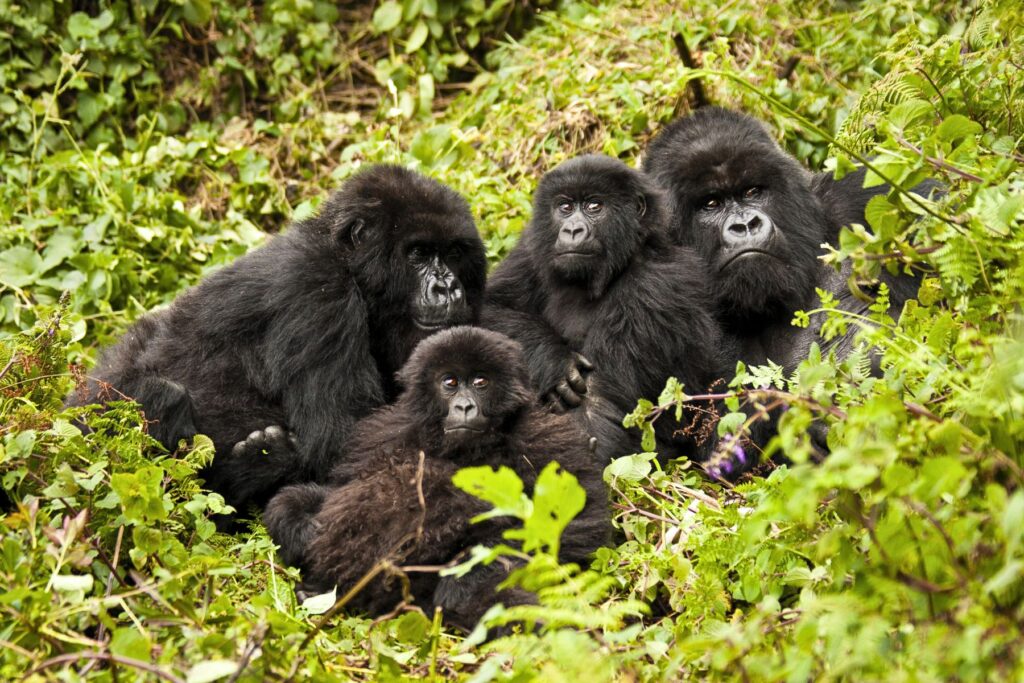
(319, 604)
(71, 583)
(141, 494)
(502, 488)
(629, 467)
(129, 642)
(19, 266)
(957, 126)
(198, 12)
(412, 628)
(387, 16)
(557, 499)
(430, 145)
(418, 37)
(211, 670)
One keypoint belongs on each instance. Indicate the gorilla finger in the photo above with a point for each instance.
(553, 403)
(592, 445)
(576, 381)
(239, 449)
(582, 362)
(568, 396)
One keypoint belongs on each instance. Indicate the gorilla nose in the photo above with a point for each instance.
(573, 234)
(464, 408)
(445, 291)
(749, 229)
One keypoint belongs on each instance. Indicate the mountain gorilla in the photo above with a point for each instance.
(305, 332)
(466, 402)
(759, 219)
(606, 308)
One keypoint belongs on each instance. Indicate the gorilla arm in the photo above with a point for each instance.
(513, 307)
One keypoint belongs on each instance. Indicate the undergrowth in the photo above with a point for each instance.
(147, 143)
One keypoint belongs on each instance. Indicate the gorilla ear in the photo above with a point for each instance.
(641, 205)
(353, 231)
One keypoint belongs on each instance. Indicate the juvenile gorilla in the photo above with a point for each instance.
(606, 308)
(466, 403)
(305, 332)
(759, 220)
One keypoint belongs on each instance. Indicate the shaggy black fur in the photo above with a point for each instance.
(759, 220)
(466, 403)
(722, 169)
(594, 276)
(305, 332)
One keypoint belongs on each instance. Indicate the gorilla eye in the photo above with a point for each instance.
(752, 192)
(417, 253)
(454, 251)
(565, 208)
(710, 203)
(594, 206)
(450, 382)
(480, 381)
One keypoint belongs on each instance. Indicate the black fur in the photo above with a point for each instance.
(635, 306)
(371, 509)
(305, 332)
(720, 153)
(733, 189)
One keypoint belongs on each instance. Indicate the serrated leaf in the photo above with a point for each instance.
(502, 488)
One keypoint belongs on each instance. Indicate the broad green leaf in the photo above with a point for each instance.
(211, 670)
(387, 16)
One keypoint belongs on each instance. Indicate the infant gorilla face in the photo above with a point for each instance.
(469, 382)
(466, 394)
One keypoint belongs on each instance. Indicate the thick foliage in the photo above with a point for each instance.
(899, 558)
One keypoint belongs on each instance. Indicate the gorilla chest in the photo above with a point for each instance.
(574, 317)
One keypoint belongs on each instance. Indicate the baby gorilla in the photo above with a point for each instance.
(605, 306)
(466, 402)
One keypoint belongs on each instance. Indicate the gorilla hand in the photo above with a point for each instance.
(273, 441)
(569, 392)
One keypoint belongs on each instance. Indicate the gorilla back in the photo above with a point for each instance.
(305, 332)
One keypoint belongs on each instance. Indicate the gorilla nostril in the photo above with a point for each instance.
(754, 223)
(737, 228)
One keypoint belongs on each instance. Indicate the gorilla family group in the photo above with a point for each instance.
(349, 367)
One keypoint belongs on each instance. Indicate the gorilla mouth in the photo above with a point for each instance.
(463, 430)
(430, 325)
(747, 253)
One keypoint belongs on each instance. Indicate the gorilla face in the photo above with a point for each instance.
(590, 219)
(415, 252)
(746, 207)
(467, 383)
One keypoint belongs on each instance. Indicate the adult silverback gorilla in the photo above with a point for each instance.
(606, 308)
(305, 332)
(759, 220)
(466, 402)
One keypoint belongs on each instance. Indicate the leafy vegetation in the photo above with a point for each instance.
(144, 143)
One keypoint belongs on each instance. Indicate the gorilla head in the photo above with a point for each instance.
(462, 386)
(592, 214)
(414, 252)
(746, 206)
